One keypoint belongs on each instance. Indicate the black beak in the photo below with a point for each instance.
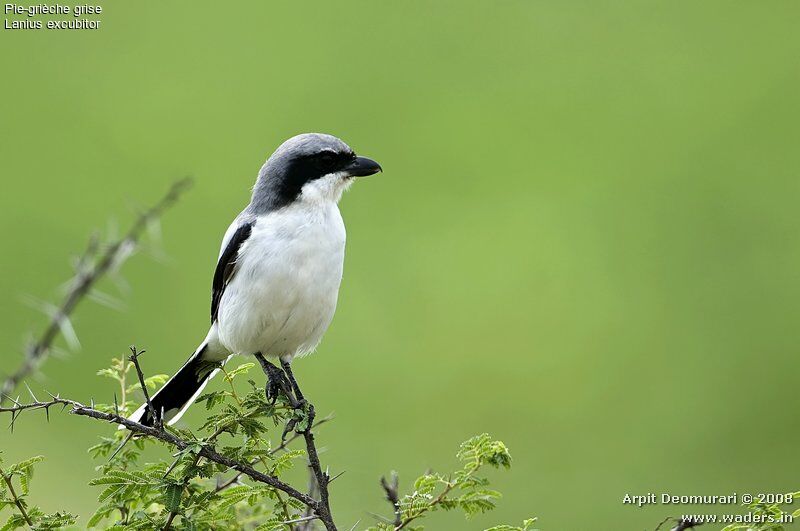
(361, 167)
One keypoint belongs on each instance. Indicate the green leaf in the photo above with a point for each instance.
(213, 399)
(172, 497)
(121, 477)
(101, 513)
(241, 369)
(14, 522)
(25, 484)
(25, 467)
(108, 373)
(152, 383)
(56, 521)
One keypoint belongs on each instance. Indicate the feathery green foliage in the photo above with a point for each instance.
(188, 491)
(14, 497)
(191, 492)
(462, 489)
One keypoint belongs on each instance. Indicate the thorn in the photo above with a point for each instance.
(121, 446)
(171, 467)
(116, 405)
(31, 392)
(7, 397)
(336, 476)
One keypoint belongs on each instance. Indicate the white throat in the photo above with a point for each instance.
(326, 189)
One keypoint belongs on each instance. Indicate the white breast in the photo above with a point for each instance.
(283, 295)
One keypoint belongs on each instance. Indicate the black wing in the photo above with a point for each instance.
(227, 266)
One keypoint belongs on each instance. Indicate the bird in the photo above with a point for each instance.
(276, 284)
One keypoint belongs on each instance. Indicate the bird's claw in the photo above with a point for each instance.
(277, 383)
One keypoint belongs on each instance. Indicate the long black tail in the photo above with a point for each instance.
(172, 400)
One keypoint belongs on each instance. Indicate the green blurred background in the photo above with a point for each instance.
(586, 240)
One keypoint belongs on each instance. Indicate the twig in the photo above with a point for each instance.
(88, 273)
(323, 508)
(156, 416)
(76, 408)
(170, 518)
(313, 491)
(282, 446)
(436, 501)
(391, 488)
(16, 499)
(301, 520)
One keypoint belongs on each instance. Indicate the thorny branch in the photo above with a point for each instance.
(93, 265)
(319, 507)
(90, 269)
(313, 491)
(208, 452)
(323, 479)
(298, 401)
(235, 479)
(156, 416)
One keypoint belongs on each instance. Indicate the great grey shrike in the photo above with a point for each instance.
(279, 268)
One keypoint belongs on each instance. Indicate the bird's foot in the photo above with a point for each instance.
(282, 381)
(277, 382)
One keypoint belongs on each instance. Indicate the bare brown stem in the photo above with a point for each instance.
(158, 422)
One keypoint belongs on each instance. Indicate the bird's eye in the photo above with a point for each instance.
(327, 159)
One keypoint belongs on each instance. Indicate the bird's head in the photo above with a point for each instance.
(310, 167)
